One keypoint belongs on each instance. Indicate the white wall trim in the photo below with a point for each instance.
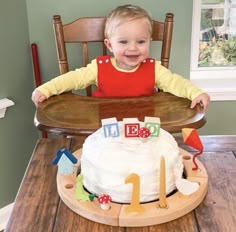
(222, 95)
(4, 215)
(218, 88)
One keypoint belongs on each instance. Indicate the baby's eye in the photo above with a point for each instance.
(123, 41)
(141, 41)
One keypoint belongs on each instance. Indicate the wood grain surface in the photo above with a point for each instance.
(39, 208)
(72, 114)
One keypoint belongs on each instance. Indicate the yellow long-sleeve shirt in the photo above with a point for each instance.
(83, 77)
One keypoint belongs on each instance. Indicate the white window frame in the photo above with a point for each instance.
(218, 82)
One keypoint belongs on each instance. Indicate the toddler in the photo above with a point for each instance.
(129, 72)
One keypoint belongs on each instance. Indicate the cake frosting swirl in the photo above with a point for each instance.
(107, 161)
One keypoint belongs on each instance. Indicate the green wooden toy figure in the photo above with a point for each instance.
(80, 193)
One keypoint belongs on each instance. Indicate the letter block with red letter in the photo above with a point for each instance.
(132, 129)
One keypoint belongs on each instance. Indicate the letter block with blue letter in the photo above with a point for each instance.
(110, 127)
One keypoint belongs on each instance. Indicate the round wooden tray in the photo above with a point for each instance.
(178, 205)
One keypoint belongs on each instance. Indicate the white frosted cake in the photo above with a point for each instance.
(107, 161)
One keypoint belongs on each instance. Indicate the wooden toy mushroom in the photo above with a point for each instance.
(144, 133)
(104, 201)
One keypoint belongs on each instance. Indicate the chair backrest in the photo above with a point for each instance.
(91, 29)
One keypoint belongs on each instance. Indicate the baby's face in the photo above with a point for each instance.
(129, 43)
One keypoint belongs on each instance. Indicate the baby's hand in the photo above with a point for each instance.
(38, 97)
(203, 99)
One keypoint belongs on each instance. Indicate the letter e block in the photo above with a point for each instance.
(132, 129)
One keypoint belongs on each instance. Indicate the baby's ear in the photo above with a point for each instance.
(108, 44)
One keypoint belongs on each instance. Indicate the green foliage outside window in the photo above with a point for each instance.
(216, 46)
(218, 52)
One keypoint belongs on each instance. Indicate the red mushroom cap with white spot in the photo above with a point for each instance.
(144, 132)
(104, 199)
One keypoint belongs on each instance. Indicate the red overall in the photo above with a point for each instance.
(114, 83)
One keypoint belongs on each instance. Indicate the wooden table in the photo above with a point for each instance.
(39, 208)
(72, 114)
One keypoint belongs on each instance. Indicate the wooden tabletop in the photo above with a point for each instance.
(73, 114)
(38, 206)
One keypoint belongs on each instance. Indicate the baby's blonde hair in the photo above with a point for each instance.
(123, 14)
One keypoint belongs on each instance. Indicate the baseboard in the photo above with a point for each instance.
(4, 215)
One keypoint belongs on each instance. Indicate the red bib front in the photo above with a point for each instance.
(115, 83)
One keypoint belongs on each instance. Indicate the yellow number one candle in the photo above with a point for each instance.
(135, 205)
(162, 195)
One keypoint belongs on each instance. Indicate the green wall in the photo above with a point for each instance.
(17, 132)
(23, 22)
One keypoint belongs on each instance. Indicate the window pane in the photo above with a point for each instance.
(217, 45)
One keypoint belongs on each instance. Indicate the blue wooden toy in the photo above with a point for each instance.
(65, 161)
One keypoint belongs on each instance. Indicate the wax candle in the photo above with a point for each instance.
(162, 195)
(135, 205)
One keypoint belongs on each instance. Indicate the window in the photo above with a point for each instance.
(213, 53)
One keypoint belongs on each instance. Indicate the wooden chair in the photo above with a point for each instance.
(91, 29)
(77, 115)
